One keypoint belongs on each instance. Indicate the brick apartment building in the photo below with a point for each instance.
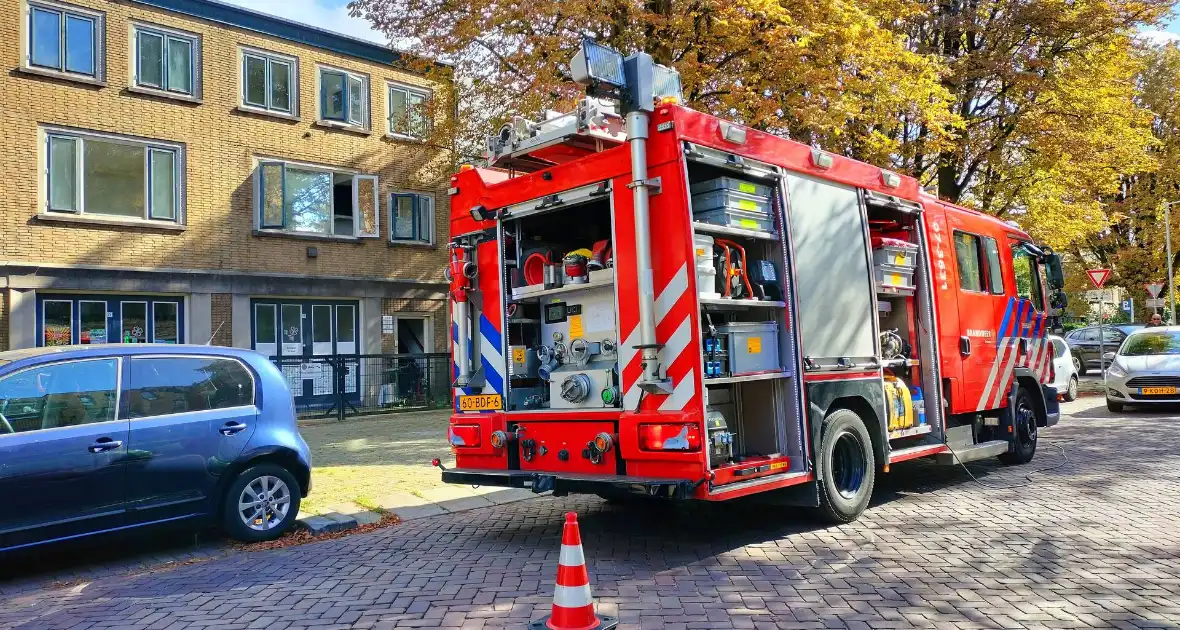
(186, 171)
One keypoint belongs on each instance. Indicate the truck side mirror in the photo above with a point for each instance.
(1059, 300)
(1053, 268)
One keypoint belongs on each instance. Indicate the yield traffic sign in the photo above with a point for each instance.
(1154, 289)
(1098, 276)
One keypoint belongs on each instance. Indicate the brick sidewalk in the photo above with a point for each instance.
(1093, 544)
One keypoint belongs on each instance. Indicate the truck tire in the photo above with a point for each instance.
(1024, 430)
(847, 470)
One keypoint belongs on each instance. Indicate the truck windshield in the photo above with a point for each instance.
(1143, 344)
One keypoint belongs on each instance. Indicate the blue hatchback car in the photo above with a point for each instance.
(107, 437)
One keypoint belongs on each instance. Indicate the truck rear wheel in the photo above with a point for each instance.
(1024, 430)
(847, 470)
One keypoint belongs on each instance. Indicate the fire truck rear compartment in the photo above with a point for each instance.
(560, 312)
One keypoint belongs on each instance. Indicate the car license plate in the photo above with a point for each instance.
(480, 402)
(1157, 391)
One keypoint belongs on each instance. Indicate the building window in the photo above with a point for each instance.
(268, 81)
(113, 177)
(344, 97)
(408, 114)
(96, 319)
(64, 39)
(166, 60)
(316, 200)
(413, 218)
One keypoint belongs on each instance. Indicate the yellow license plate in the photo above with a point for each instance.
(1157, 391)
(480, 402)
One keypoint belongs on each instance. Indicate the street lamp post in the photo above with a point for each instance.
(1168, 241)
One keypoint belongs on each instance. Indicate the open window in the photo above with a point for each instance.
(314, 200)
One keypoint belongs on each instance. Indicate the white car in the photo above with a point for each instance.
(1065, 373)
(1145, 370)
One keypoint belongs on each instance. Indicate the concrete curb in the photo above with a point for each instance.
(409, 506)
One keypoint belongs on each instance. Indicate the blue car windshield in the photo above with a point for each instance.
(1144, 344)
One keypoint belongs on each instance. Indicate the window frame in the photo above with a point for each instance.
(152, 321)
(418, 222)
(167, 34)
(118, 359)
(1016, 250)
(253, 384)
(150, 147)
(98, 43)
(347, 122)
(426, 94)
(991, 254)
(269, 58)
(980, 260)
(358, 232)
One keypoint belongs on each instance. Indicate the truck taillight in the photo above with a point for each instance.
(464, 435)
(670, 437)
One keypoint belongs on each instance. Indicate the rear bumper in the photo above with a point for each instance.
(565, 483)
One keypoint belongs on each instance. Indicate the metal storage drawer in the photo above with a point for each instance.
(731, 183)
(753, 347)
(730, 199)
(894, 279)
(737, 218)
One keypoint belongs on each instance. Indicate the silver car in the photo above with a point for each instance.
(1145, 370)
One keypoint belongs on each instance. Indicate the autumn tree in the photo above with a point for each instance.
(1044, 92)
(1132, 243)
(827, 72)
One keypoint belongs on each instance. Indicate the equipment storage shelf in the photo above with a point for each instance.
(918, 430)
(600, 278)
(726, 380)
(724, 230)
(724, 303)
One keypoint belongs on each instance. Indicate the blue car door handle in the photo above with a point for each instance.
(101, 445)
(232, 428)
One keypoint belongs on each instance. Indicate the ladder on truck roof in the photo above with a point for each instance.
(524, 145)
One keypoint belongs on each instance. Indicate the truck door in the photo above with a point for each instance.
(1027, 330)
(981, 304)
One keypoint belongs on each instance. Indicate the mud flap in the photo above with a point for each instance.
(801, 495)
(1052, 407)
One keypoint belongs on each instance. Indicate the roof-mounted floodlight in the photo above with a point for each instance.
(666, 84)
(596, 64)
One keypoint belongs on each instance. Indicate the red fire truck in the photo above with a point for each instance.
(649, 300)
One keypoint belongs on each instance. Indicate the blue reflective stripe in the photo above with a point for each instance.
(491, 336)
(489, 332)
(1004, 324)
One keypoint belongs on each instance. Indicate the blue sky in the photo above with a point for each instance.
(328, 14)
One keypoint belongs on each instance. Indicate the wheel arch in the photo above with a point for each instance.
(278, 455)
(864, 397)
(1027, 379)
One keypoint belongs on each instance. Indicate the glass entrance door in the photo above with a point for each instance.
(309, 340)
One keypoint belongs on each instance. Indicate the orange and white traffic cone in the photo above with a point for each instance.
(573, 607)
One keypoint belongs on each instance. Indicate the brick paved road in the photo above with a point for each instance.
(1093, 544)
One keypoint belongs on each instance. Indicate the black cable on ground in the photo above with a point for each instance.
(1028, 476)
